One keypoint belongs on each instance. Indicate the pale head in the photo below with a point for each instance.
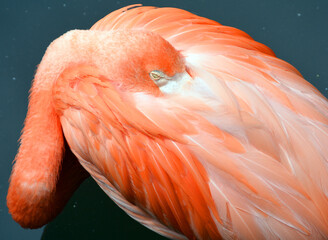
(141, 61)
(126, 57)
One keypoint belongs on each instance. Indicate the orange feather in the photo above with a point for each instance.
(232, 144)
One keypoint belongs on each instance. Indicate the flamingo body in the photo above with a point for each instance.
(193, 128)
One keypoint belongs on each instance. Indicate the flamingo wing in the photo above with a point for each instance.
(243, 149)
(142, 164)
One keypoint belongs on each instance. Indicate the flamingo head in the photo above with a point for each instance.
(142, 61)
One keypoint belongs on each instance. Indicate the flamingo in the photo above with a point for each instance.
(193, 128)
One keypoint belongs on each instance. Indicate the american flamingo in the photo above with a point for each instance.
(193, 128)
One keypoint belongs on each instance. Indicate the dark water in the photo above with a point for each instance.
(295, 29)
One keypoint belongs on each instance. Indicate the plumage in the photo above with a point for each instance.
(232, 146)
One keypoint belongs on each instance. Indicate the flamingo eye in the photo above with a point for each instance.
(156, 75)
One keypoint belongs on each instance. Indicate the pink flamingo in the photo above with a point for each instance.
(193, 128)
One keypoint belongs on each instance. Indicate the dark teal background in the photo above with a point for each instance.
(296, 30)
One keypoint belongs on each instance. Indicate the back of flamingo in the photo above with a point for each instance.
(193, 128)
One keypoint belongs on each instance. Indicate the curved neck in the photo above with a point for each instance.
(69, 49)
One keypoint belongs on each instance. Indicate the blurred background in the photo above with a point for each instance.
(296, 30)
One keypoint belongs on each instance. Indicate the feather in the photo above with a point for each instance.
(240, 152)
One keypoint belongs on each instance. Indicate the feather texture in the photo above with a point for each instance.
(279, 118)
(239, 153)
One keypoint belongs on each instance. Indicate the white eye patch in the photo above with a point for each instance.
(174, 84)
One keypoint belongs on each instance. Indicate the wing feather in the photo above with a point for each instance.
(177, 26)
(138, 155)
(153, 150)
(246, 152)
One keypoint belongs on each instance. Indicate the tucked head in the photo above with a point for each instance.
(132, 60)
(139, 61)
